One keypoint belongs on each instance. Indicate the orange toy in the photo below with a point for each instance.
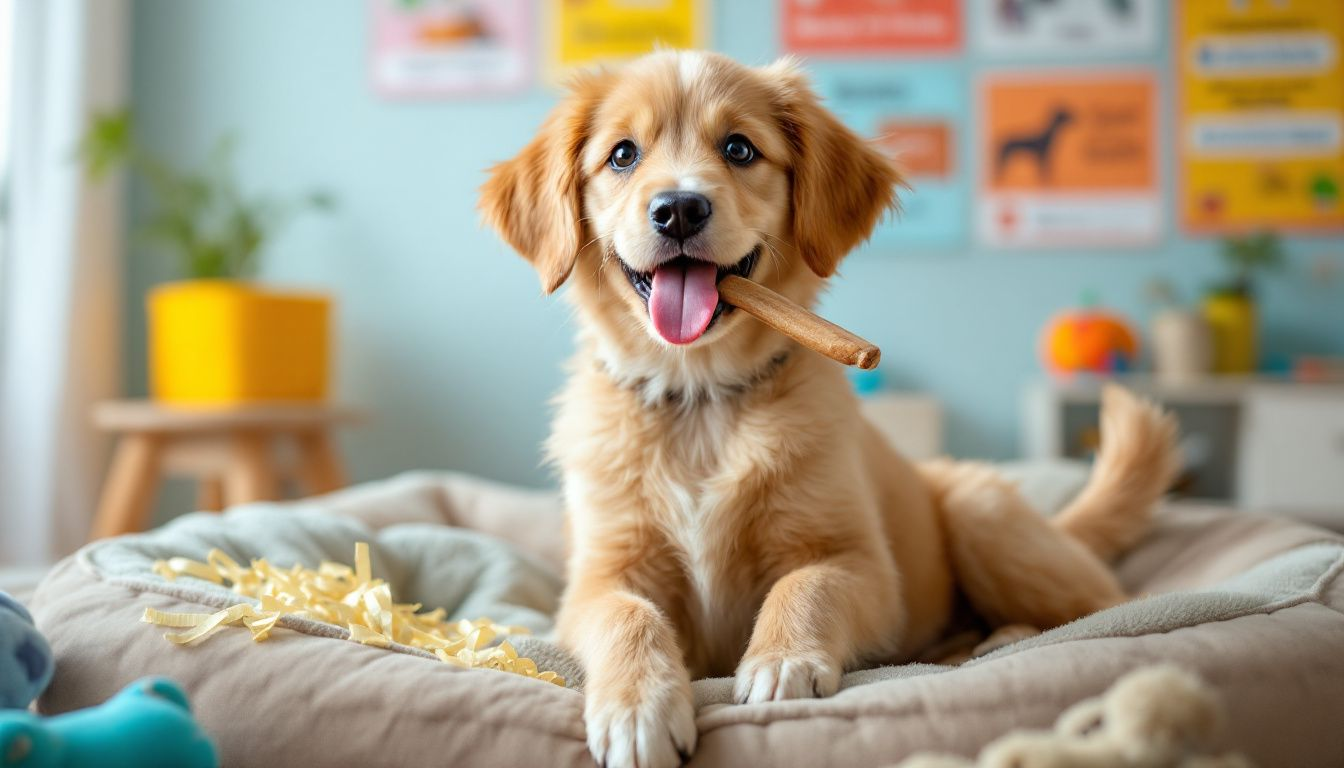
(1089, 341)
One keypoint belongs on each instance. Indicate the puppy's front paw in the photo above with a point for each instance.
(777, 677)
(641, 725)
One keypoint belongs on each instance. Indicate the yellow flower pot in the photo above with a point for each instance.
(221, 342)
(1231, 317)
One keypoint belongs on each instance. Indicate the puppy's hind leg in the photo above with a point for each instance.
(1017, 567)
(1012, 564)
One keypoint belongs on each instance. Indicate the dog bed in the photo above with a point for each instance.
(1252, 604)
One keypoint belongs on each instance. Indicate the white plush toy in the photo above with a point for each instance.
(1156, 717)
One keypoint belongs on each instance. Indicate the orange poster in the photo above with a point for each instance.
(1069, 160)
(859, 27)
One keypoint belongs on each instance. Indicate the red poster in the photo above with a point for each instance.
(856, 27)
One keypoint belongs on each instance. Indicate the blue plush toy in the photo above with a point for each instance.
(147, 725)
(25, 657)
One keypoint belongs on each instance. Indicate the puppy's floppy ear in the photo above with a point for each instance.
(535, 200)
(841, 184)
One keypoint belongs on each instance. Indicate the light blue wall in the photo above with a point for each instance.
(428, 299)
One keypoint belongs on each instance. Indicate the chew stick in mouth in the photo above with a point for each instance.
(798, 323)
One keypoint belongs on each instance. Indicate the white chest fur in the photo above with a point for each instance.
(685, 480)
(701, 518)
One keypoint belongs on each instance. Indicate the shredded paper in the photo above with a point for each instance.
(337, 594)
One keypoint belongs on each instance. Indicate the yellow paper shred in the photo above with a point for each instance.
(338, 594)
(363, 571)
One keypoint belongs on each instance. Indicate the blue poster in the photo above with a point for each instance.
(917, 114)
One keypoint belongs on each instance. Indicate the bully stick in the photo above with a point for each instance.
(798, 323)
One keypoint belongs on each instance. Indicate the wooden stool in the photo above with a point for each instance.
(232, 451)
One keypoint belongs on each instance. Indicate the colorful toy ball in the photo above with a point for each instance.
(1089, 340)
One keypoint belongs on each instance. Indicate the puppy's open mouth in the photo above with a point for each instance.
(683, 295)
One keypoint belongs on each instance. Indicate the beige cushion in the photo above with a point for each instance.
(1252, 604)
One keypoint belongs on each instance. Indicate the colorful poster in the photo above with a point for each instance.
(864, 27)
(1069, 160)
(914, 115)
(1261, 106)
(439, 47)
(1034, 28)
(588, 32)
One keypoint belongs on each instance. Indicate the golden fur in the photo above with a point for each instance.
(729, 510)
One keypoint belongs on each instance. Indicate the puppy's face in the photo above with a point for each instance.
(687, 179)
(657, 181)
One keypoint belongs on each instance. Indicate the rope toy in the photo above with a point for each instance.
(1156, 717)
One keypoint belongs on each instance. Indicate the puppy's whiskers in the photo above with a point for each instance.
(608, 254)
(776, 260)
(763, 233)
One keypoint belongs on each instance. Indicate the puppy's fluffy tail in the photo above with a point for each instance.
(1136, 464)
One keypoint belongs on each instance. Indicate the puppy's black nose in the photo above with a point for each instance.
(679, 214)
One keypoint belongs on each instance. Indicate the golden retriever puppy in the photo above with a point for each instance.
(729, 510)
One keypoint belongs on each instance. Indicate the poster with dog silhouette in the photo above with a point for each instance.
(1069, 159)
(865, 27)
(585, 33)
(425, 48)
(1261, 114)
(1033, 28)
(914, 113)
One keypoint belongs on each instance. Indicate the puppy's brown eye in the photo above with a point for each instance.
(739, 150)
(624, 155)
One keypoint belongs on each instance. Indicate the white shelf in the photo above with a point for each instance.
(1268, 443)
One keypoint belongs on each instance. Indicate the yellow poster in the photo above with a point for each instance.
(589, 32)
(1261, 114)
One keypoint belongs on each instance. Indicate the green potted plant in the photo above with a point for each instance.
(1229, 307)
(215, 336)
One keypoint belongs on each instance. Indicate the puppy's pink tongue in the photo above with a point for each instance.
(683, 300)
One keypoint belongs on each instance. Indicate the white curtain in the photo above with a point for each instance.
(59, 277)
